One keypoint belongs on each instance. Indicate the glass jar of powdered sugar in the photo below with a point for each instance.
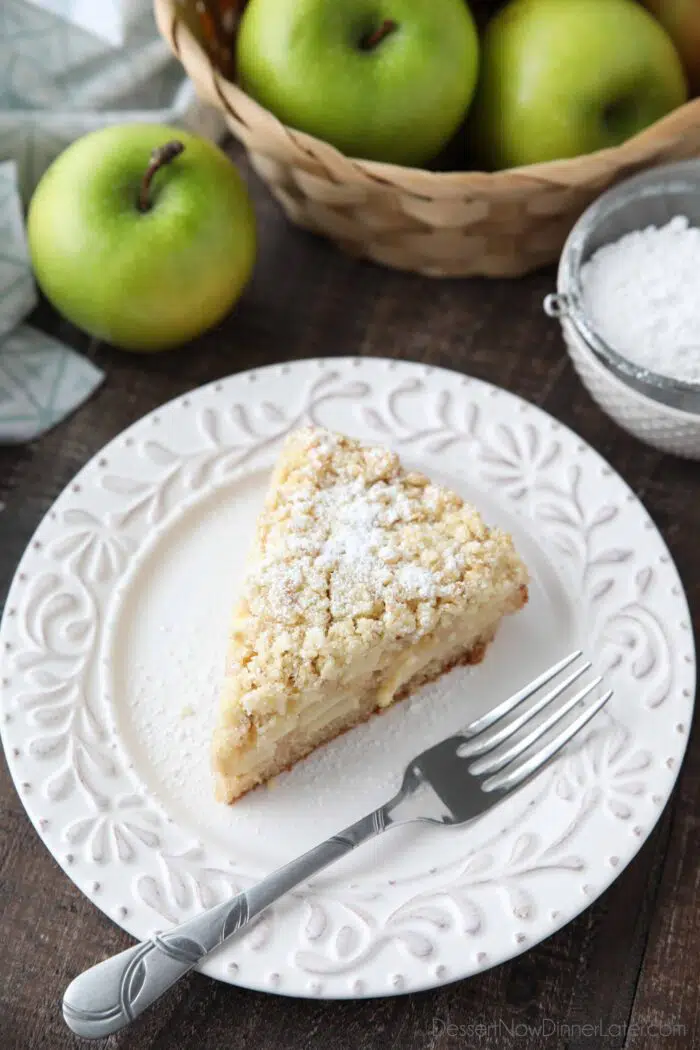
(628, 299)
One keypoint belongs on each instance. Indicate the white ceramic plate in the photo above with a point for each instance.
(114, 634)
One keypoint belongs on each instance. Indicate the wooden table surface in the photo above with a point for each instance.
(629, 964)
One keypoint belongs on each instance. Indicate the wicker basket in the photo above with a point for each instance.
(442, 224)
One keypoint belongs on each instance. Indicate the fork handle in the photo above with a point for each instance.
(110, 995)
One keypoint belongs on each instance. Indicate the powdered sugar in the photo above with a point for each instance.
(355, 537)
(345, 534)
(358, 552)
(642, 294)
(418, 581)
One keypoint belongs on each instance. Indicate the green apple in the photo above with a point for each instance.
(681, 19)
(143, 235)
(387, 80)
(560, 78)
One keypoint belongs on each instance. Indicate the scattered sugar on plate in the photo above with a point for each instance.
(642, 296)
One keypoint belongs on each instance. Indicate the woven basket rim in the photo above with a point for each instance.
(246, 112)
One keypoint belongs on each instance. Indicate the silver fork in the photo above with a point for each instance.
(452, 783)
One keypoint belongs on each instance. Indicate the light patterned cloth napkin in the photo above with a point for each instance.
(41, 381)
(70, 66)
(67, 67)
(105, 19)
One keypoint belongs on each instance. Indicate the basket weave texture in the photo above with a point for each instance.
(441, 224)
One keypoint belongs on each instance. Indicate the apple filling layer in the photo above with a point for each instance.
(323, 714)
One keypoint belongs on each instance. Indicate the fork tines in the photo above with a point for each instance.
(500, 749)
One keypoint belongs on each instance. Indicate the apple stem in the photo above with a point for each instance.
(370, 42)
(160, 156)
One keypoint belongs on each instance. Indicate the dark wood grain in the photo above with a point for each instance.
(630, 961)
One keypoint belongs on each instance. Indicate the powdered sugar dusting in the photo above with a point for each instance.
(345, 532)
(354, 531)
(641, 293)
(359, 548)
(418, 581)
(340, 535)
